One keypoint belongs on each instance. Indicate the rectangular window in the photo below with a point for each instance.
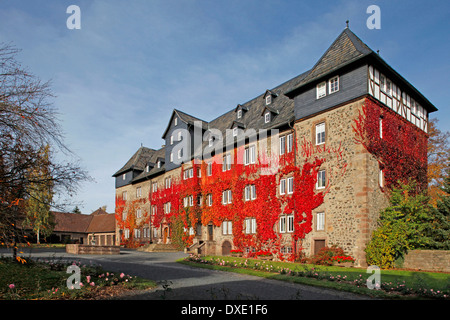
(282, 145)
(124, 195)
(321, 179)
(320, 133)
(250, 192)
(290, 142)
(175, 120)
(320, 220)
(209, 199)
(209, 169)
(250, 225)
(283, 186)
(290, 223)
(381, 128)
(138, 192)
(124, 176)
(235, 132)
(191, 201)
(227, 227)
(250, 155)
(155, 187)
(282, 224)
(239, 114)
(171, 157)
(267, 117)
(226, 165)
(321, 90)
(268, 99)
(334, 84)
(290, 185)
(138, 213)
(179, 135)
(226, 197)
(171, 139)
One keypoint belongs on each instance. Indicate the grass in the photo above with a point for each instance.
(47, 279)
(402, 284)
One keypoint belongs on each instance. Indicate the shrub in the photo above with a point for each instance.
(326, 254)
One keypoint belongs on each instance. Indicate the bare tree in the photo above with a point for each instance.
(28, 123)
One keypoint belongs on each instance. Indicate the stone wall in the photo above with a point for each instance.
(89, 249)
(428, 260)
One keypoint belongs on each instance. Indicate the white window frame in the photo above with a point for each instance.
(239, 113)
(209, 169)
(321, 90)
(175, 121)
(283, 224)
(227, 227)
(138, 213)
(282, 145)
(250, 225)
(235, 131)
(250, 155)
(124, 176)
(209, 199)
(290, 185)
(124, 196)
(171, 139)
(138, 192)
(290, 223)
(179, 135)
(290, 143)
(226, 165)
(320, 133)
(155, 186)
(320, 221)
(171, 156)
(226, 197)
(267, 117)
(268, 99)
(282, 186)
(333, 85)
(321, 179)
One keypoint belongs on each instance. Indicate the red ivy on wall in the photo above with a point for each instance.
(398, 145)
(265, 209)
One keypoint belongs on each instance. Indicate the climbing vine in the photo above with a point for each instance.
(399, 146)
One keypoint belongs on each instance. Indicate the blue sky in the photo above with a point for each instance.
(117, 79)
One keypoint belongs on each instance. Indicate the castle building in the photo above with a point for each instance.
(304, 165)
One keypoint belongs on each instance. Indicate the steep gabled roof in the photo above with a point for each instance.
(346, 49)
(138, 161)
(186, 118)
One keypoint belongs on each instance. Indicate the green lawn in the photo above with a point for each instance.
(394, 283)
(47, 280)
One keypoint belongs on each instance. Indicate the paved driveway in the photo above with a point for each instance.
(188, 283)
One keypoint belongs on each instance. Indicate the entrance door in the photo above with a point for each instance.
(318, 244)
(165, 235)
(210, 232)
(226, 248)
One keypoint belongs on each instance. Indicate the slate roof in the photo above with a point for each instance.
(345, 50)
(138, 161)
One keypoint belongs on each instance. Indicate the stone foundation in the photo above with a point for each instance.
(89, 249)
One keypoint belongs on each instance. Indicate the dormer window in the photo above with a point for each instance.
(158, 164)
(175, 121)
(268, 99)
(124, 176)
(239, 114)
(147, 168)
(235, 131)
(171, 139)
(333, 84)
(267, 117)
(321, 90)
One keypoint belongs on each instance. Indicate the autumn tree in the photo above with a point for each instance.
(438, 160)
(38, 215)
(29, 123)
